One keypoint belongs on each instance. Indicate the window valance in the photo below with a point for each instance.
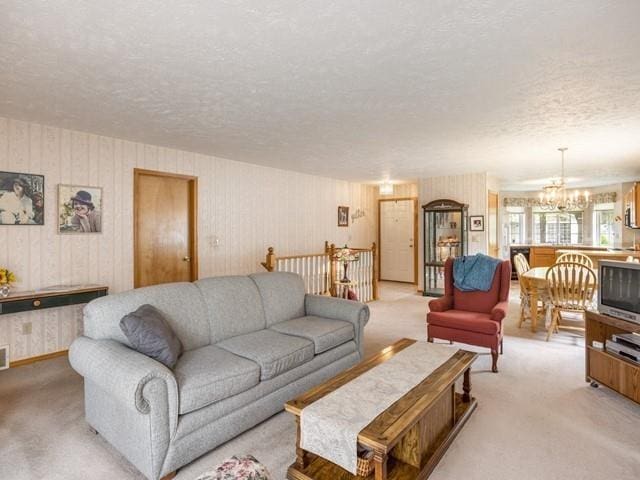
(607, 197)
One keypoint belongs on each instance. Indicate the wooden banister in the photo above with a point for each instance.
(270, 261)
(374, 280)
(320, 271)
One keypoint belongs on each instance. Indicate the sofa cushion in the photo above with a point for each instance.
(234, 306)
(181, 305)
(275, 352)
(209, 374)
(150, 334)
(462, 320)
(325, 333)
(282, 295)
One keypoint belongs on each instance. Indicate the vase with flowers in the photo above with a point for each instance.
(7, 277)
(345, 256)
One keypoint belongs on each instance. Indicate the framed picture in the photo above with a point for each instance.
(476, 223)
(343, 216)
(21, 199)
(79, 209)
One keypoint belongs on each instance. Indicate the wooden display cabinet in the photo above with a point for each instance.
(632, 207)
(607, 368)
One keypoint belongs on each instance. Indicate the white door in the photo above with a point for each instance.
(396, 240)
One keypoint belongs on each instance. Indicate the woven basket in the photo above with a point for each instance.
(365, 467)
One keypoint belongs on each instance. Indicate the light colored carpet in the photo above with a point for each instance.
(537, 418)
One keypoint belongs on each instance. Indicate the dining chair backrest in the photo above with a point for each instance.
(571, 285)
(521, 264)
(575, 257)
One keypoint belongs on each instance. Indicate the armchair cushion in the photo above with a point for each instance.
(209, 374)
(274, 352)
(325, 333)
(468, 321)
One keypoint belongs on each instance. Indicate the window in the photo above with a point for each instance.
(603, 221)
(557, 227)
(516, 224)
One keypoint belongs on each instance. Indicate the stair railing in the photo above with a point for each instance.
(320, 270)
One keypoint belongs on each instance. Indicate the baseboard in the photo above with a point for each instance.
(38, 358)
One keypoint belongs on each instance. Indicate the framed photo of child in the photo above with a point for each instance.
(343, 216)
(21, 199)
(79, 209)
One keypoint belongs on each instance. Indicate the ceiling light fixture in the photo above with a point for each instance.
(555, 196)
(386, 188)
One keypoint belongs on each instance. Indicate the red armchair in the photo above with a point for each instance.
(475, 317)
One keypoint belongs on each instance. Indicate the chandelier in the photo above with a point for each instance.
(555, 196)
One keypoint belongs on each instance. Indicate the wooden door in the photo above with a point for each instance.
(165, 232)
(397, 240)
(492, 226)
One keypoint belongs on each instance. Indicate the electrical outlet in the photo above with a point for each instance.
(27, 328)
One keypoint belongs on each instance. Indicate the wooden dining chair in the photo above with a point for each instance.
(575, 257)
(522, 266)
(571, 287)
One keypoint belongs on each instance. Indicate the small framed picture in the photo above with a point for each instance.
(21, 199)
(476, 223)
(343, 216)
(79, 209)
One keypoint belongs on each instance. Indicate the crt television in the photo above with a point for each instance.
(619, 289)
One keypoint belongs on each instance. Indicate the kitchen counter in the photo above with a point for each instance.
(567, 247)
(598, 255)
(544, 255)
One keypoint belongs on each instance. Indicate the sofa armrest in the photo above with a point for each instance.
(441, 304)
(340, 309)
(125, 373)
(499, 311)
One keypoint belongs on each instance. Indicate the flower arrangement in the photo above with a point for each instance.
(7, 277)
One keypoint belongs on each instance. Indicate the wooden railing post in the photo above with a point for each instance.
(270, 260)
(375, 271)
(332, 270)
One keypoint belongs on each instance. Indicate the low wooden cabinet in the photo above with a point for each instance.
(607, 368)
(542, 256)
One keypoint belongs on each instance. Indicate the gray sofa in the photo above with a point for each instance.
(251, 343)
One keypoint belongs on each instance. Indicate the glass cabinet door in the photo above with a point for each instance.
(444, 237)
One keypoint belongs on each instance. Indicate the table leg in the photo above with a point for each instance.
(302, 457)
(533, 306)
(380, 465)
(466, 385)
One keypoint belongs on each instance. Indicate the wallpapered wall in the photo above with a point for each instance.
(246, 207)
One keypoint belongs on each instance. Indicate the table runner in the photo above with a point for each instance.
(330, 426)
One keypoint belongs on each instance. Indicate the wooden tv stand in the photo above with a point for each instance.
(607, 368)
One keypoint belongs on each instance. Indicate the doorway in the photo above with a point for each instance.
(492, 225)
(397, 236)
(164, 228)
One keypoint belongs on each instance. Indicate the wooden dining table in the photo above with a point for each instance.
(536, 279)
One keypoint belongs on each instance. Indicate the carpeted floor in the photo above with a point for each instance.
(537, 418)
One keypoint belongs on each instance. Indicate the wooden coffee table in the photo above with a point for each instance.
(409, 437)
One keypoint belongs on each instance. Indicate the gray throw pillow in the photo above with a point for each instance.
(150, 334)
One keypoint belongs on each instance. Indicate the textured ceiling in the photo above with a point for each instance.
(356, 90)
